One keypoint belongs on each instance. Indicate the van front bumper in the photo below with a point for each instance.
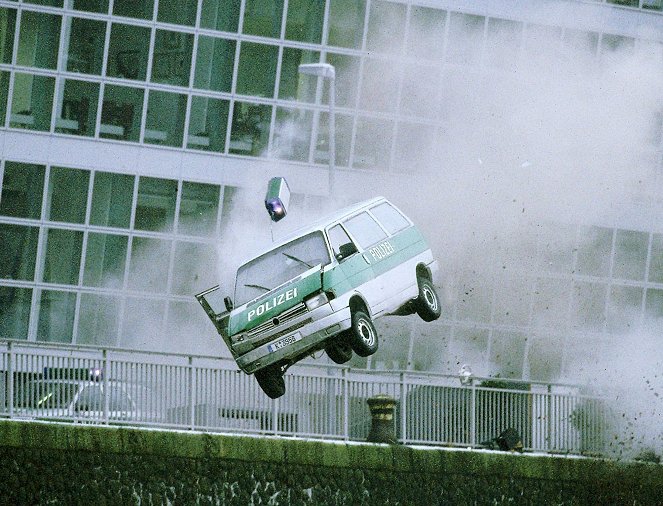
(302, 341)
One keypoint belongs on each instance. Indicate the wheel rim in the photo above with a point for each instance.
(365, 330)
(430, 298)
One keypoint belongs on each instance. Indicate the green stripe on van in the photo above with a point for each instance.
(274, 303)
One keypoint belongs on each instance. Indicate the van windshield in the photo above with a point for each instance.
(279, 265)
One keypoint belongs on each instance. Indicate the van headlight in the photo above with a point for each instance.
(316, 301)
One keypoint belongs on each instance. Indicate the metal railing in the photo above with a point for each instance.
(114, 386)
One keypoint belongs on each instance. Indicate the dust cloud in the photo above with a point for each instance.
(516, 150)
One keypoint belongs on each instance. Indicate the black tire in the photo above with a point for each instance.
(339, 351)
(362, 336)
(271, 381)
(427, 304)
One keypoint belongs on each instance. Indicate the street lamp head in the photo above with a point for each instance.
(324, 70)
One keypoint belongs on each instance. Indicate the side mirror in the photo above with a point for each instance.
(346, 250)
(229, 303)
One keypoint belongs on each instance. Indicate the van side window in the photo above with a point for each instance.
(337, 237)
(390, 218)
(365, 230)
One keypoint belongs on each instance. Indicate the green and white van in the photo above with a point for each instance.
(322, 288)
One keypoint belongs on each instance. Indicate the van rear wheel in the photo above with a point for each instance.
(362, 336)
(339, 351)
(427, 304)
(271, 381)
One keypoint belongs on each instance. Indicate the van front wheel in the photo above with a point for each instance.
(362, 336)
(271, 381)
(427, 304)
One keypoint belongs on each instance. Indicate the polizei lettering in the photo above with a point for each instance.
(382, 250)
(275, 301)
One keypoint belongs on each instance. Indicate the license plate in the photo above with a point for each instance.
(286, 341)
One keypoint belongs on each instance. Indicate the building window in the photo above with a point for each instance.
(100, 6)
(15, 304)
(292, 84)
(148, 267)
(346, 23)
(85, 45)
(220, 15)
(304, 20)
(201, 260)
(121, 113)
(263, 17)
(594, 251)
(630, 255)
(19, 246)
(127, 52)
(624, 308)
(214, 64)
(155, 210)
(292, 135)
(503, 43)
(4, 91)
(208, 124)
(654, 304)
(51, 3)
(373, 143)
(256, 73)
(165, 118)
(63, 256)
(347, 79)
(386, 27)
(105, 260)
(99, 320)
(380, 75)
(32, 102)
(465, 38)
(77, 109)
(179, 12)
(68, 190)
(172, 58)
(656, 263)
(141, 9)
(250, 129)
(7, 29)
(343, 138)
(22, 190)
(425, 38)
(198, 209)
(39, 40)
(112, 198)
(56, 316)
(589, 306)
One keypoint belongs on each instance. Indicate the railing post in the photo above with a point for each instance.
(10, 378)
(192, 390)
(473, 416)
(104, 375)
(549, 419)
(403, 408)
(346, 404)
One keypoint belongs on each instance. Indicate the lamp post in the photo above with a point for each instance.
(326, 71)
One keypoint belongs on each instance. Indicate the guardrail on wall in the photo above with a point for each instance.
(114, 386)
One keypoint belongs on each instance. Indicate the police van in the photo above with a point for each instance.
(321, 289)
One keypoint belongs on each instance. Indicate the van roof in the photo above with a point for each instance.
(318, 224)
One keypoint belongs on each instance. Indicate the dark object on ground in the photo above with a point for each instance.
(508, 441)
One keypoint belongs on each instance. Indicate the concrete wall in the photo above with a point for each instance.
(76, 464)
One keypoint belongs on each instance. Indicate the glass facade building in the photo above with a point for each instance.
(128, 127)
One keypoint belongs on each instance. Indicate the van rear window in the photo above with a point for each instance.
(390, 218)
(365, 230)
